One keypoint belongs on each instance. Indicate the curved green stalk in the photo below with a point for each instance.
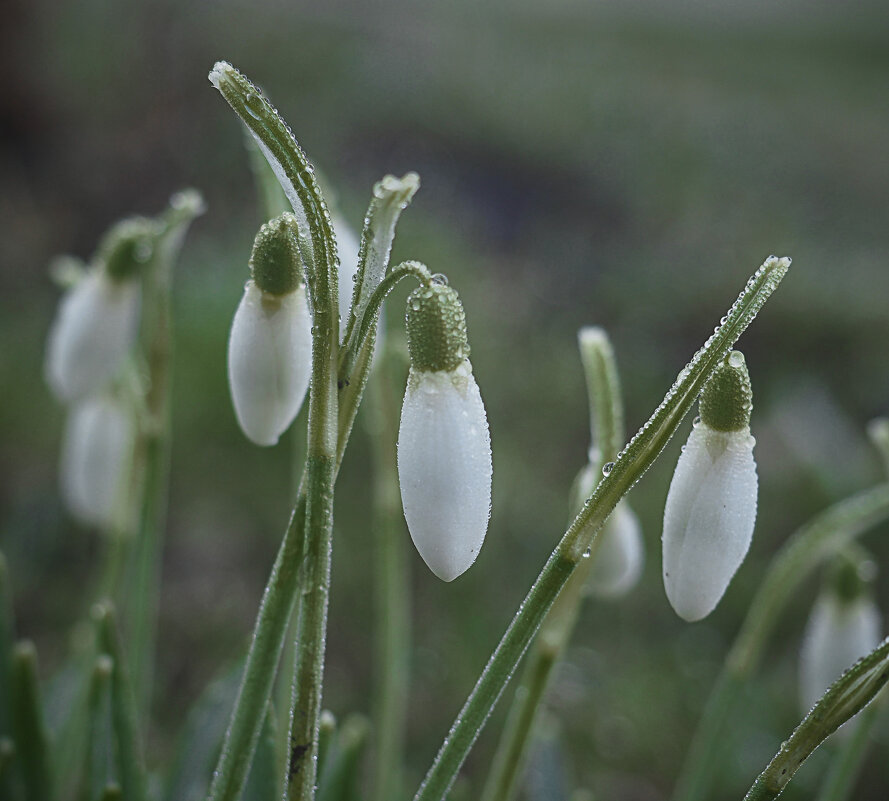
(850, 756)
(153, 446)
(28, 724)
(847, 696)
(628, 468)
(809, 547)
(606, 423)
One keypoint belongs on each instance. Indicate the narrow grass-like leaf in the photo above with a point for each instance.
(851, 753)
(123, 708)
(29, 728)
(264, 779)
(847, 696)
(101, 765)
(627, 469)
(340, 779)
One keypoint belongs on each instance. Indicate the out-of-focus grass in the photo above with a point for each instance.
(625, 168)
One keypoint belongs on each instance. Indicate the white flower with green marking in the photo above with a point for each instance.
(270, 345)
(444, 446)
(845, 624)
(98, 318)
(711, 506)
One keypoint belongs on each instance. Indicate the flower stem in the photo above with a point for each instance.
(628, 468)
(606, 421)
(810, 546)
(392, 591)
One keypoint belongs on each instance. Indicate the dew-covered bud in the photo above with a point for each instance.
(275, 263)
(96, 452)
(711, 506)
(444, 446)
(270, 345)
(844, 625)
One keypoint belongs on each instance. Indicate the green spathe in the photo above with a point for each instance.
(727, 399)
(127, 247)
(436, 328)
(275, 262)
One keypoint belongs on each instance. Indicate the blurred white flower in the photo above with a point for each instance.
(708, 518)
(96, 455)
(620, 555)
(445, 467)
(347, 246)
(269, 361)
(839, 632)
(93, 331)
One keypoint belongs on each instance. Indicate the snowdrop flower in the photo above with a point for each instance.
(444, 446)
(96, 450)
(98, 318)
(270, 345)
(711, 505)
(844, 626)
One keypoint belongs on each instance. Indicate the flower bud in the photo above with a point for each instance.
(270, 345)
(444, 446)
(620, 555)
(844, 626)
(711, 506)
(96, 453)
(94, 330)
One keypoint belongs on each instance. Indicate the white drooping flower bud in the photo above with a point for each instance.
(444, 446)
(711, 506)
(96, 453)
(620, 555)
(270, 345)
(844, 625)
(98, 318)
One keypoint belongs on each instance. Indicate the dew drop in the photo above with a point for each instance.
(607, 468)
(736, 359)
(587, 552)
(440, 278)
(697, 421)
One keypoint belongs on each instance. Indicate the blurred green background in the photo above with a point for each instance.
(582, 163)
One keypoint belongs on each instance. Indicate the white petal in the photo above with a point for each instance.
(444, 468)
(93, 332)
(269, 361)
(347, 247)
(619, 556)
(96, 450)
(708, 518)
(837, 635)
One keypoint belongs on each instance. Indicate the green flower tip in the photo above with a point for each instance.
(727, 399)
(127, 247)
(275, 263)
(850, 575)
(436, 328)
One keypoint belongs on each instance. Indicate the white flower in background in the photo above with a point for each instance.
(98, 318)
(348, 250)
(96, 452)
(270, 345)
(620, 555)
(844, 625)
(444, 446)
(347, 247)
(711, 506)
